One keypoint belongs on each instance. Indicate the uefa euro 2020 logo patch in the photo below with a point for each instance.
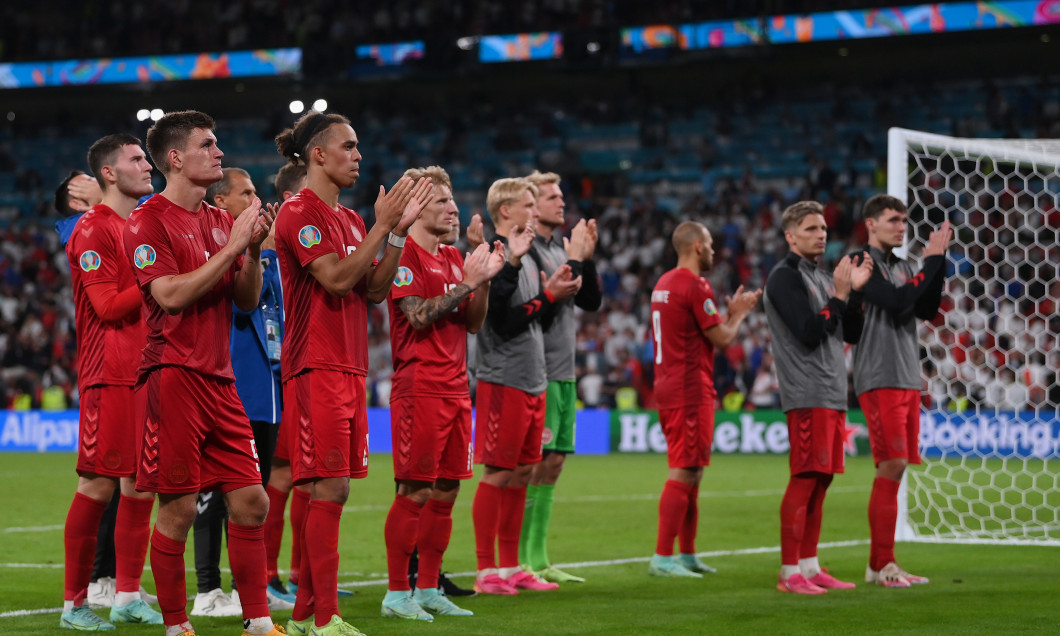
(90, 261)
(708, 306)
(403, 277)
(309, 236)
(144, 256)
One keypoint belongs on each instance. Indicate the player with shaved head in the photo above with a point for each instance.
(687, 329)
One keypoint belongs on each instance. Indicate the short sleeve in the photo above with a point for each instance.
(410, 279)
(148, 246)
(306, 234)
(96, 252)
(705, 309)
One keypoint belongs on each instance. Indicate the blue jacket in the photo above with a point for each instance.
(65, 227)
(250, 349)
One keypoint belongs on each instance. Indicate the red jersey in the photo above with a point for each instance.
(322, 331)
(164, 239)
(682, 306)
(107, 352)
(433, 360)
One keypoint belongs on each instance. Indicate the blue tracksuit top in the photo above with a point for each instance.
(257, 377)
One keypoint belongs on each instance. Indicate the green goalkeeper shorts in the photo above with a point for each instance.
(560, 400)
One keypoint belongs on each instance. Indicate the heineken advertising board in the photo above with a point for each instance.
(739, 432)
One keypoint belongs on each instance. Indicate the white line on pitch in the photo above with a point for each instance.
(383, 580)
(32, 528)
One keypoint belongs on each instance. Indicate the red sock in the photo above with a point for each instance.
(485, 515)
(811, 533)
(510, 526)
(686, 534)
(305, 600)
(246, 556)
(673, 507)
(322, 548)
(793, 516)
(167, 566)
(436, 527)
(132, 533)
(883, 515)
(274, 530)
(299, 506)
(400, 531)
(79, 543)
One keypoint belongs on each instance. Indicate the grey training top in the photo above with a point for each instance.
(808, 325)
(510, 350)
(561, 328)
(888, 355)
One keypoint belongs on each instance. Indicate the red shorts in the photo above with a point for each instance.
(816, 437)
(283, 446)
(432, 437)
(508, 425)
(689, 433)
(196, 435)
(893, 419)
(327, 436)
(108, 434)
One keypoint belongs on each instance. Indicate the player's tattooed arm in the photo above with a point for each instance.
(422, 312)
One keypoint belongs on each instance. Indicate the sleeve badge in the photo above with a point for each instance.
(90, 261)
(309, 236)
(143, 256)
(403, 277)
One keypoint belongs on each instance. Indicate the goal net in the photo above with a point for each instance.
(990, 432)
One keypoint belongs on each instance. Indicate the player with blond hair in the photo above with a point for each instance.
(438, 297)
(510, 402)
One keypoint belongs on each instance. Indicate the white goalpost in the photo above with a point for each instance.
(990, 427)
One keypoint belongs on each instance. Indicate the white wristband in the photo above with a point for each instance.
(396, 241)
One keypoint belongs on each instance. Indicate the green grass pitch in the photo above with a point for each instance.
(603, 524)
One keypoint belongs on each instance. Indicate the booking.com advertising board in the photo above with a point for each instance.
(601, 431)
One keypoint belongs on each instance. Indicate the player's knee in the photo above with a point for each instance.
(280, 477)
(445, 490)
(417, 491)
(176, 514)
(496, 476)
(892, 469)
(97, 487)
(521, 476)
(336, 490)
(248, 506)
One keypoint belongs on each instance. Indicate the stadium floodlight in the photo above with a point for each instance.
(320, 105)
(989, 441)
(296, 106)
(156, 114)
(593, 47)
(467, 42)
(143, 114)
